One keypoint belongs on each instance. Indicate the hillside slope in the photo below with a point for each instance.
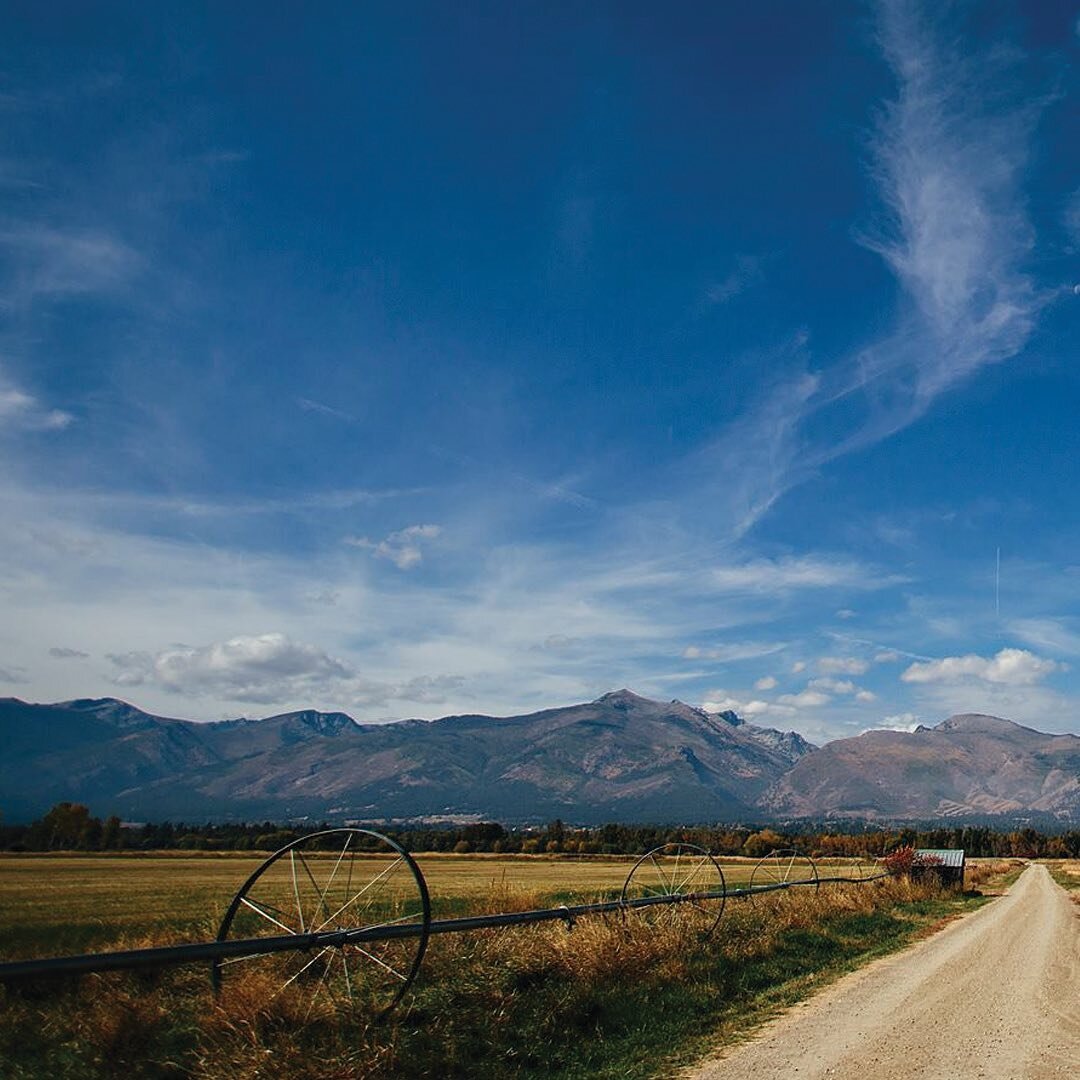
(621, 757)
(970, 764)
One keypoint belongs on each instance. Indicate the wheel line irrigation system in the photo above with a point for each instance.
(347, 912)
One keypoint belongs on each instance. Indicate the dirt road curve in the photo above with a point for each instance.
(995, 995)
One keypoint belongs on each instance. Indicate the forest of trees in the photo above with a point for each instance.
(71, 827)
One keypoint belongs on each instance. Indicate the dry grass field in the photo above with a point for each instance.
(53, 904)
(613, 997)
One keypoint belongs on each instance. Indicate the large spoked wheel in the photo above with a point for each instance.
(337, 880)
(676, 883)
(783, 868)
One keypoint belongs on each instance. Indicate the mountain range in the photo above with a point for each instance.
(969, 765)
(619, 758)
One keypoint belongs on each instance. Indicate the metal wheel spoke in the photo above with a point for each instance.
(348, 884)
(258, 910)
(686, 880)
(296, 975)
(314, 884)
(296, 890)
(241, 959)
(663, 876)
(330, 879)
(332, 884)
(392, 922)
(345, 968)
(695, 887)
(373, 957)
(350, 902)
(782, 869)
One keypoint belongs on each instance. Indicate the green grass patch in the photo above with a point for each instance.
(1066, 873)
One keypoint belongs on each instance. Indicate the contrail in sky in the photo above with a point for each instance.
(997, 585)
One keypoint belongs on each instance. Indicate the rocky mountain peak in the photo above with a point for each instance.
(622, 699)
(730, 717)
(979, 723)
(318, 722)
(620, 757)
(970, 765)
(109, 710)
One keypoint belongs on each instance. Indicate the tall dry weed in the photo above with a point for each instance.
(980, 873)
(492, 1003)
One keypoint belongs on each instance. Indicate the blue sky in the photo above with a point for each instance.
(412, 359)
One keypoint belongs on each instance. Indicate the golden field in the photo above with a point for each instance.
(611, 998)
(59, 903)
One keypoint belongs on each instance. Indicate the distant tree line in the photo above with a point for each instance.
(71, 827)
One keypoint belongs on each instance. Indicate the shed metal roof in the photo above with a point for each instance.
(953, 857)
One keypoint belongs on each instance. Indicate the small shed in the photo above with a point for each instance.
(945, 863)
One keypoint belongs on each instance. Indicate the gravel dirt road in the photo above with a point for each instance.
(995, 995)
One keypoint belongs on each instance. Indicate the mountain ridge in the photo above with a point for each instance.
(969, 764)
(620, 757)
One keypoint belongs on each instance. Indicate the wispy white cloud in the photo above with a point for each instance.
(805, 699)
(548, 620)
(732, 651)
(561, 491)
(766, 682)
(561, 644)
(1012, 667)
(323, 596)
(843, 687)
(428, 689)
(264, 668)
(834, 686)
(898, 722)
(270, 669)
(20, 411)
(758, 454)
(296, 503)
(798, 572)
(67, 564)
(50, 261)
(1055, 635)
(748, 271)
(948, 158)
(311, 406)
(1041, 707)
(842, 665)
(719, 701)
(883, 653)
(950, 153)
(59, 652)
(403, 548)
